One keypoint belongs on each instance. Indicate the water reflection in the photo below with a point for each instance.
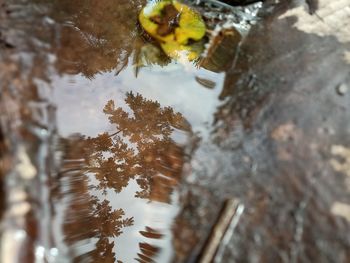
(88, 217)
(116, 192)
(147, 252)
(95, 36)
(110, 161)
(140, 148)
(75, 50)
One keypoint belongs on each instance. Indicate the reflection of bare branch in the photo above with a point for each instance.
(114, 134)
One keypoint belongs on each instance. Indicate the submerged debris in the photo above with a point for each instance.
(226, 221)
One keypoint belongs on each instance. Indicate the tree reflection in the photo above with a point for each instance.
(87, 217)
(96, 35)
(148, 251)
(141, 148)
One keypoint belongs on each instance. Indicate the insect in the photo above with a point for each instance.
(176, 26)
(181, 33)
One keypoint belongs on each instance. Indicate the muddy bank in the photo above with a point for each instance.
(277, 137)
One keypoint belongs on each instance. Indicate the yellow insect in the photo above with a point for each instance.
(177, 27)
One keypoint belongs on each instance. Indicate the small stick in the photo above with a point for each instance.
(226, 221)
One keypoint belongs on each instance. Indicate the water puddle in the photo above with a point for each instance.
(111, 138)
(102, 132)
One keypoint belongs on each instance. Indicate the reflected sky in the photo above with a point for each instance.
(80, 102)
(174, 86)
